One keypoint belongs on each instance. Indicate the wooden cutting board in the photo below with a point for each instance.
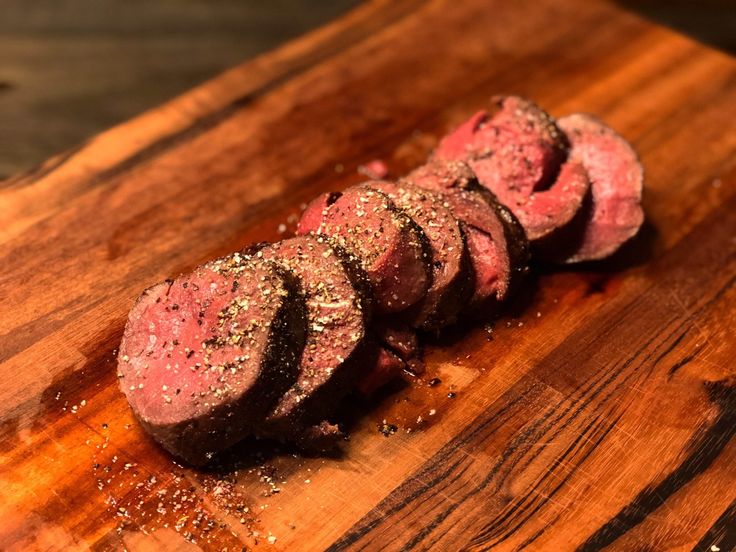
(600, 410)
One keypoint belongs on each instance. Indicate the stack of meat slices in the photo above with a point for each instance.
(268, 341)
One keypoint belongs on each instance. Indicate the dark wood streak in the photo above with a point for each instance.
(523, 441)
(498, 532)
(682, 362)
(516, 449)
(23, 336)
(494, 529)
(705, 447)
(669, 349)
(525, 438)
(71, 387)
(431, 474)
(690, 356)
(492, 534)
(721, 534)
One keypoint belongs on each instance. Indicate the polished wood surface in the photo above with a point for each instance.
(599, 411)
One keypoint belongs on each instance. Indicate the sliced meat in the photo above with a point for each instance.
(335, 345)
(498, 247)
(617, 179)
(206, 356)
(519, 143)
(387, 367)
(496, 243)
(321, 437)
(389, 246)
(397, 351)
(459, 144)
(451, 270)
(440, 176)
(314, 212)
(546, 212)
(518, 154)
(398, 338)
(487, 264)
(397, 348)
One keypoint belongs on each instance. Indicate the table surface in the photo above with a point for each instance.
(598, 411)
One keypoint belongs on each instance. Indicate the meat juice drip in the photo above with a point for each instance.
(419, 405)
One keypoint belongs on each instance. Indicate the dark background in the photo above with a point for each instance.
(71, 68)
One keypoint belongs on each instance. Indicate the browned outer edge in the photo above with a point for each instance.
(194, 441)
(568, 255)
(517, 244)
(565, 240)
(416, 230)
(561, 142)
(357, 277)
(458, 292)
(559, 242)
(461, 291)
(405, 221)
(325, 399)
(454, 300)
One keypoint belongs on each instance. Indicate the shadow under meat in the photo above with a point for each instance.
(638, 251)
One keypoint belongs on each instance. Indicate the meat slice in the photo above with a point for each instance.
(399, 338)
(518, 154)
(546, 212)
(519, 143)
(389, 246)
(315, 211)
(397, 350)
(206, 356)
(441, 175)
(451, 271)
(387, 367)
(616, 178)
(335, 347)
(498, 248)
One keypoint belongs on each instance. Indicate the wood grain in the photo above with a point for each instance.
(599, 411)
